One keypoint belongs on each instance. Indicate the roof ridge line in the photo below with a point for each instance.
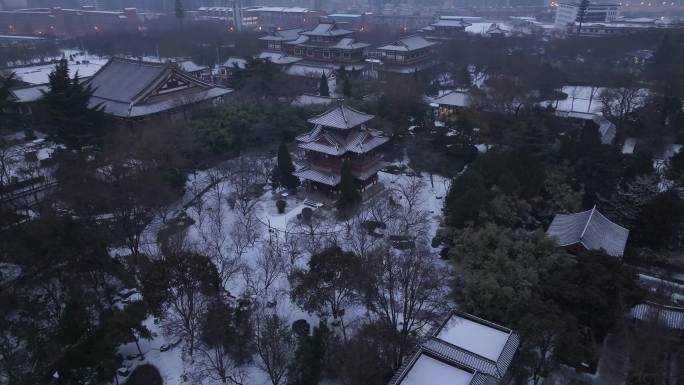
(587, 224)
(462, 349)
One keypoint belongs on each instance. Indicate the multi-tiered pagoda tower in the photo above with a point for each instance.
(340, 134)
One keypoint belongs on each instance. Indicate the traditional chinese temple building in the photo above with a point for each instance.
(588, 230)
(446, 28)
(135, 90)
(340, 134)
(462, 350)
(407, 55)
(327, 42)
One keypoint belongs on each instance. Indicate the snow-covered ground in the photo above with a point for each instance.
(585, 99)
(86, 65)
(214, 223)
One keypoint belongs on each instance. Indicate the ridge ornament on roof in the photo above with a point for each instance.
(341, 117)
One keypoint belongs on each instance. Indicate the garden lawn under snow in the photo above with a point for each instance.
(173, 366)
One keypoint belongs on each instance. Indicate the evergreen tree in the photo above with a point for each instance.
(323, 86)
(179, 11)
(432, 89)
(72, 121)
(466, 199)
(127, 325)
(464, 79)
(582, 14)
(342, 72)
(349, 194)
(346, 87)
(8, 117)
(286, 168)
(309, 358)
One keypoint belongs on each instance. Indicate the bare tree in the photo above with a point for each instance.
(247, 175)
(275, 347)
(268, 267)
(214, 360)
(330, 284)
(405, 291)
(222, 239)
(412, 219)
(619, 103)
(192, 280)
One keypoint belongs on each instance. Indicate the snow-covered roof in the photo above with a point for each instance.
(278, 58)
(452, 98)
(342, 117)
(307, 70)
(191, 66)
(463, 344)
(475, 343)
(131, 88)
(671, 317)
(343, 43)
(471, 335)
(327, 29)
(495, 29)
(410, 43)
(607, 129)
(234, 61)
(591, 229)
(39, 74)
(29, 94)
(9, 272)
(283, 34)
(327, 178)
(312, 100)
(428, 369)
(482, 28)
(349, 43)
(278, 9)
(629, 145)
(451, 23)
(336, 143)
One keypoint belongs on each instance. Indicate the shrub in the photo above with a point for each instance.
(145, 375)
(281, 204)
(307, 214)
(301, 328)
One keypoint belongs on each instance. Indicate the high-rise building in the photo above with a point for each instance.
(568, 13)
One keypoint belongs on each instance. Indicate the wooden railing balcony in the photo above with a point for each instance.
(335, 164)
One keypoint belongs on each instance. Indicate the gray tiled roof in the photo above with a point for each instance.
(496, 368)
(671, 317)
(29, 94)
(337, 144)
(327, 178)
(327, 29)
(124, 88)
(495, 29)
(342, 117)
(278, 57)
(451, 23)
(486, 371)
(410, 43)
(461, 356)
(591, 229)
(123, 79)
(478, 378)
(283, 35)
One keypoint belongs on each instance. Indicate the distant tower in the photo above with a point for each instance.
(237, 15)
